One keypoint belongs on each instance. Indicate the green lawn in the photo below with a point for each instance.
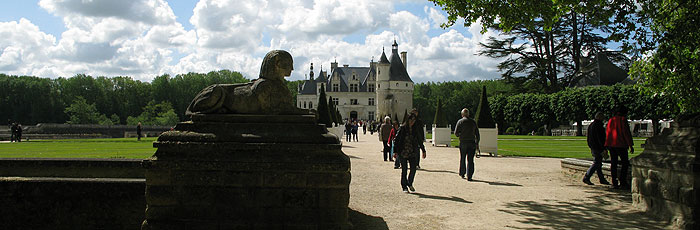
(80, 148)
(508, 145)
(546, 146)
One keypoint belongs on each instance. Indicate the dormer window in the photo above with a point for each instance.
(370, 87)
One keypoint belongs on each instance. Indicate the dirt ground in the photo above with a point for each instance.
(507, 193)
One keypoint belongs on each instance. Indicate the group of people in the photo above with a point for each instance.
(16, 131)
(404, 144)
(351, 129)
(616, 139)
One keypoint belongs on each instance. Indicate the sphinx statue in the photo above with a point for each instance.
(266, 95)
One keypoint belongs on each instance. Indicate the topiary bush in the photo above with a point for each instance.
(440, 119)
(483, 112)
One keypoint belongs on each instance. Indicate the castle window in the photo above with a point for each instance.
(370, 116)
(305, 105)
(370, 101)
(406, 84)
(353, 88)
(336, 87)
(353, 101)
(335, 101)
(370, 88)
(397, 84)
(311, 105)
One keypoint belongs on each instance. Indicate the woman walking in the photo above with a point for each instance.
(408, 145)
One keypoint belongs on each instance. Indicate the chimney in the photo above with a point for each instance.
(403, 58)
(334, 65)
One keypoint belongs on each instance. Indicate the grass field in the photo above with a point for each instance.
(547, 146)
(508, 145)
(80, 148)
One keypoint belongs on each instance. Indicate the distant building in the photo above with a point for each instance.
(383, 88)
(601, 71)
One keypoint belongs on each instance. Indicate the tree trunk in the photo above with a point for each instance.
(579, 128)
(655, 126)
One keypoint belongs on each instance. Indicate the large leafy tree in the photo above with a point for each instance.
(672, 68)
(543, 41)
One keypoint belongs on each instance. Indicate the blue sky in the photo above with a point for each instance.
(147, 38)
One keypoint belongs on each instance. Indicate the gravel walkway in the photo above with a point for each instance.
(508, 193)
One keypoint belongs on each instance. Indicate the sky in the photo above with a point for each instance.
(147, 38)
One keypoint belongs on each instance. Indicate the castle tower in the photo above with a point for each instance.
(383, 100)
(311, 72)
(394, 85)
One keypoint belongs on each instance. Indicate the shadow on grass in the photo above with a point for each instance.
(603, 211)
(499, 183)
(450, 198)
(363, 221)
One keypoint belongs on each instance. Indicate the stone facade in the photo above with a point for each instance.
(248, 172)
(365, 93)
(666, 176)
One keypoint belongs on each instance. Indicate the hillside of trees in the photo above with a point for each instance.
(86, 99)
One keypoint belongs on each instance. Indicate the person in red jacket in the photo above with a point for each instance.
(617, 139)
(392, 136)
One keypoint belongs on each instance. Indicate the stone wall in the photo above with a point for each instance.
(38, 193)
(666, 176)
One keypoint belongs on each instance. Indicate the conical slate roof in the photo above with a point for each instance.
(397, 71)
(383, 58)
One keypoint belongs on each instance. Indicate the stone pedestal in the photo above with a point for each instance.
(666, 176)
(248, 172)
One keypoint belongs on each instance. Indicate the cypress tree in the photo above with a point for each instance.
(331, 110)
(324, 116)
(483, 113)
(440, 120)
(405, 115)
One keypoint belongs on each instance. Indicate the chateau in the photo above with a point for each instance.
(383, 88)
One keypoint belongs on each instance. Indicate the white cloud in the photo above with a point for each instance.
(144, 11)
(141, 39)
(437, 17)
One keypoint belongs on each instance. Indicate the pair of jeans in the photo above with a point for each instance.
(624, 160)
(407, 181)
(386, 150)
(597, 166)
(466, 150)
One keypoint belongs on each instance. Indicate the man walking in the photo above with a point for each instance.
(617, 139)
(596, 141)
(468, 133)
(419, 125)
(138, 131)
(384, 132)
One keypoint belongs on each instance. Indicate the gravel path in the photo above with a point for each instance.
(508, 193)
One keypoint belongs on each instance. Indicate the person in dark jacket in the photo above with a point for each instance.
(596, 142)
(419, 125)
(407, 145)
(138, 131)
(468, 132)
(384, 133)
(618, 139)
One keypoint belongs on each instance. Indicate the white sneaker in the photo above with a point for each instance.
(405, 190)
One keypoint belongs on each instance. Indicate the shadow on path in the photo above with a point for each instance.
(499, 183)
(354, 157)
(601, 212)
(436, 171)
(363, 221)
(451, 198)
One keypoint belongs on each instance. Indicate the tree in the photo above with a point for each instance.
(543, 41)
(155, 114)
(570, 105)
(324, 116)
(440, 119)
(80, 112)
(483, 113)
(673, 42)
(332, 111)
